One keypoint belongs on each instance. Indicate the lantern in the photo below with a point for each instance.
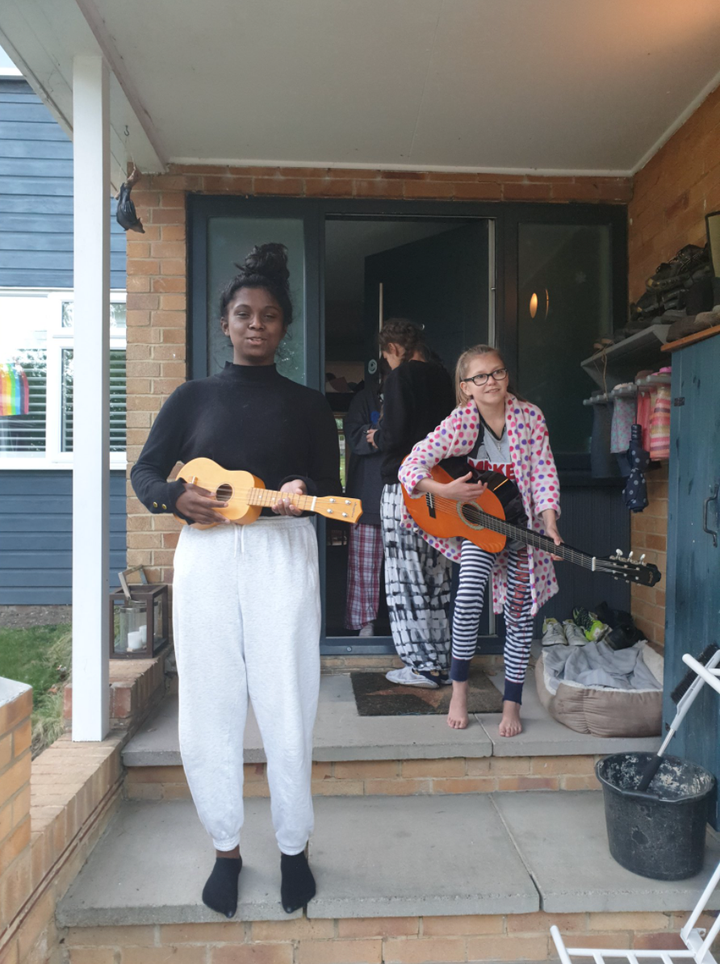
(139, 626)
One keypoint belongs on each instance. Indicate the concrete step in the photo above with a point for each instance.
(492, 854)
(396, 754)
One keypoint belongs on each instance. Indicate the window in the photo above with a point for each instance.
(565, 302)
(36, 379)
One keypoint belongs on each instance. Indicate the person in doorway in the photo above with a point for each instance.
(417, 393)
(495, 430)
(246, 606)
(365, 549)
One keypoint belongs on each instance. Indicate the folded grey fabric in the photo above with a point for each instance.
(692, 324)
(596, 664)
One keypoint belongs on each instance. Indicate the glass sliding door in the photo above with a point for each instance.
(354, 263)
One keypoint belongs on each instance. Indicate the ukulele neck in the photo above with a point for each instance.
(348, 510)
(269, 497)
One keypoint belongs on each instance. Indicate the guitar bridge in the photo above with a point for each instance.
(430, 501)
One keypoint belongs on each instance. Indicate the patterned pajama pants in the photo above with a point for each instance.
(417, 583)
(475, 568)
(365, 558)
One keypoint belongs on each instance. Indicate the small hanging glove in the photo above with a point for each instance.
(126, 215)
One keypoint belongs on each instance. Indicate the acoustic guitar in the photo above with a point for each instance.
(247, 495)
(484, 522)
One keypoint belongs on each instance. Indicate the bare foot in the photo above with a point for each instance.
(510, 724)
(458, 714)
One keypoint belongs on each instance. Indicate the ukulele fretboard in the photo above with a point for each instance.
(327, 505)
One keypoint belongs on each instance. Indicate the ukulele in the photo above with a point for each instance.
(247, 495)
(484, 522)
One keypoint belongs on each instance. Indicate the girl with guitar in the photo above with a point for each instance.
(495, 430)
(246, 606)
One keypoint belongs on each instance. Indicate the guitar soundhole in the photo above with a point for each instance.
(471, 516)
(224, 492)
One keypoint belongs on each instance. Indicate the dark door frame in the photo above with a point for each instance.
(506, 218)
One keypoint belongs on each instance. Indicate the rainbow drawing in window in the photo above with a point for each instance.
(14, 390)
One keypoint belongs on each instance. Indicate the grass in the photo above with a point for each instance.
(40, 656)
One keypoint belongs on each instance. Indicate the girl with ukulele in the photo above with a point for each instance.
(246, 604)
(493, 429)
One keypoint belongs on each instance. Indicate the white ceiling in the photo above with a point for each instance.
(501, 85)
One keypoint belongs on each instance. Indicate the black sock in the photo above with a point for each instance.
(298, 883)
(220, 892)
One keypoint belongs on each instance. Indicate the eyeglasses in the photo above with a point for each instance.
(499, 375)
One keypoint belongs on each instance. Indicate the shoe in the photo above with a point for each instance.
(553, 633)
(367, 630)
(444, 679)
(407, 676)
(589, 623)
(573, 634)
(671, 274)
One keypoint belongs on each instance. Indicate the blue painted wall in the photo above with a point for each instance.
(36, 196)
(36, 250)
(36, 536)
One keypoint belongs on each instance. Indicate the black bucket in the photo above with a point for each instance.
(659, 833)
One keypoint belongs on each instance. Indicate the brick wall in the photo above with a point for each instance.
(15, 735)
(52, 812)
(157, 283)
(392, 940)
(671, 196)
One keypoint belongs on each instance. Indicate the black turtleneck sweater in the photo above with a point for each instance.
(245, 417)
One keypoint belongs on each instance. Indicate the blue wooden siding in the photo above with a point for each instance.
(36, 536)
(36, 196)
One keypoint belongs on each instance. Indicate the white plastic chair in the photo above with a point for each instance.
(697, 941)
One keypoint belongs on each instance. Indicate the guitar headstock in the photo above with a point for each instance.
(625, 567)
(339, 507)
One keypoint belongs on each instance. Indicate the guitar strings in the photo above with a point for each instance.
(535, 539)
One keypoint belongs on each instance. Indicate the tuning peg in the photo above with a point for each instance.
(618, 554)
(630, 555)
(642, 558)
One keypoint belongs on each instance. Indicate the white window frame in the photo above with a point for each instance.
(57, 339)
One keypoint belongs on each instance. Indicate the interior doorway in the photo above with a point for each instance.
(437, 272)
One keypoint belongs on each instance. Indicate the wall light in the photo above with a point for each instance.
(543, 301)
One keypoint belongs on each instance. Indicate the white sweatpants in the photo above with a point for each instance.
(246, 613)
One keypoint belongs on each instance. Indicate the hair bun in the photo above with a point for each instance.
(268, 261)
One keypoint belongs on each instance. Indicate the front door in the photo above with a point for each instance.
(693, 553)
(441, 281)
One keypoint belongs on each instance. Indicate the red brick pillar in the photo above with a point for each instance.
(15, 733)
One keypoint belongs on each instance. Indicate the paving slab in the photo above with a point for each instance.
(563, 841)
(340, 734)
(544, 736)
(413, 856)
(153, 860)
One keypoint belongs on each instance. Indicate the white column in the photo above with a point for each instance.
(91, 458)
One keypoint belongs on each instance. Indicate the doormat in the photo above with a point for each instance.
(377, 696)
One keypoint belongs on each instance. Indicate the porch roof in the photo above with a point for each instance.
(551, 87)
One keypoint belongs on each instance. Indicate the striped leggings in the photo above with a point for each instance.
(475, 568)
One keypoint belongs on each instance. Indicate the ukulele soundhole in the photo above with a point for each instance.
(223, 492)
